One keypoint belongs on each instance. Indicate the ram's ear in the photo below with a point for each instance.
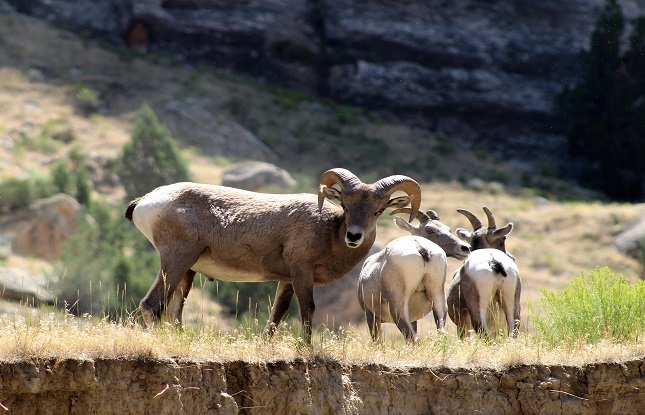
(399, 202)
(463, 234)
(503, 231)
(403, 224)
(332, 194)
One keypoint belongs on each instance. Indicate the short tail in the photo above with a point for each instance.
(497, 267)
(423, 252)
(130, 209)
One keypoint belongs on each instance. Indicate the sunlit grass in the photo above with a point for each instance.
(598, 318)
(67, 337)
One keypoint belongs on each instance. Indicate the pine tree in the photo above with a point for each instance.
(605, 109)
(83, 188)
(151, 158)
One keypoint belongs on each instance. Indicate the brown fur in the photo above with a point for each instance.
(248, 236)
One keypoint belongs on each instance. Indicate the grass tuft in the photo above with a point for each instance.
(593, 308)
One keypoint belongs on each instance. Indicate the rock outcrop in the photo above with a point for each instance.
(631, 241)
(485, 73)
(258, 176)
(192, 124)
(41, 230)
(19, 286)
(313, 387)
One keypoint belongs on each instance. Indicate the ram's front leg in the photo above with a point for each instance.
(303, 286)
(283, 295)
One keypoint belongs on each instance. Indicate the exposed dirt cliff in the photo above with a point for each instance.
(313, 387)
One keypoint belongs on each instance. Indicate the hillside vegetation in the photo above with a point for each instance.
(61, 96)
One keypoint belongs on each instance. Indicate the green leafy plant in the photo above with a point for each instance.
(592, 308)
(88, 100)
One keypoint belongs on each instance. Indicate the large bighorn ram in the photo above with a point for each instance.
(488, 276)
(237, 235)
(404, 281)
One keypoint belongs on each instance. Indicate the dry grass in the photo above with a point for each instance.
(36, 334)
(554, 242)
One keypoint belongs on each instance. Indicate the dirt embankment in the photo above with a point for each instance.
(313, 387)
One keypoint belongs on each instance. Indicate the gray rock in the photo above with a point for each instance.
(41, 229)
(631, 241)
(191, 124)
(17, 285)
(257, 176)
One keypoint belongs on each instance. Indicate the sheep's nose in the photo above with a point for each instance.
(354, 237)
(465, 249)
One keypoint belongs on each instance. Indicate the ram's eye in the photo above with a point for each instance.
(378, 212)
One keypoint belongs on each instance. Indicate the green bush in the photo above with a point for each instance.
(18, 193)
(592, 308)
(97, 277)
(151, 159)
(444, 145)
(87, 100)
(61, 176)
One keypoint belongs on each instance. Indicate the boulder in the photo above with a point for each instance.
(631, 241)
(17, 285)
(192, 124)
(257, 175)
(42, 229)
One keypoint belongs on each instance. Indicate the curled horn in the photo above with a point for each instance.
(477, 224)
(491, 219)
(342, 177)
(421, 217)
(389, 185)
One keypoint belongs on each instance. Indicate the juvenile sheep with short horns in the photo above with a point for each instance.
(406, 280)
(489, 276)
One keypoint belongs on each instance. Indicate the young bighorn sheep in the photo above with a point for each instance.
(488, 276)
(404, 281)
(238, 235)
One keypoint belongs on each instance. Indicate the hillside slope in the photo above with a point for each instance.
(43, 72)
(486, 73)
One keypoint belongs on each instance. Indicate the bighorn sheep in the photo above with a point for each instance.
(237, 235)
(404, 281)
(488, 276)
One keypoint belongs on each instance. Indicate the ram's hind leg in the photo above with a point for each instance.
(401, 317)
(178, 298)
(174, 268)
(374, 324)
(457, 310)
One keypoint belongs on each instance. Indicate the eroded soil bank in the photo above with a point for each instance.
(123, 387)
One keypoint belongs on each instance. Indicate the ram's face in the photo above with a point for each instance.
(363, 203)
(440, 233)
(362, 207)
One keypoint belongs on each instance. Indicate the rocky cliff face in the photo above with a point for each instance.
(484, 72)
(315, 387)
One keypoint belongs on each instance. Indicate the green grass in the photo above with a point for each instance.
(594, 307)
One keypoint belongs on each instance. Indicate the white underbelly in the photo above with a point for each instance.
(225, 273)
